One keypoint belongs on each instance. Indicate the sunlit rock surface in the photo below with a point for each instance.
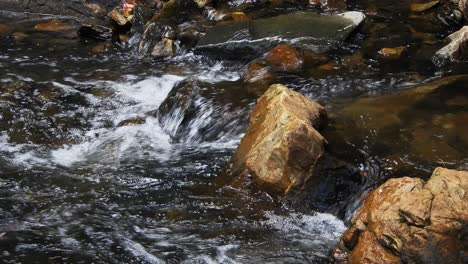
(407, 220)
(281, 148)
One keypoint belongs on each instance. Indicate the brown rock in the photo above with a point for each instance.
(406, 220)
(96, 9)
(281, 147)
(164, 48)
(392, 53)
(239, 16)
(132, 121)
(421, 7)
(285, 58)
(117, 17)
(54, 25)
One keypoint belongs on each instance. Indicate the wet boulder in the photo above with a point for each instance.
(157, 40)
(200, 111)
(457, 47)
(303, 29)
(96, 29)
(282, 147)
(408, 220)
(285, 58)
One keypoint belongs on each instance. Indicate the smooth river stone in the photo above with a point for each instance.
(301, 29)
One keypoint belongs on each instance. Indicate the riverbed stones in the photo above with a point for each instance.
(197, 110)
(408, 220)
(457, 47)
(282, 146)
(53, 25)
(303, 29)
(285, 58)
(392, 53)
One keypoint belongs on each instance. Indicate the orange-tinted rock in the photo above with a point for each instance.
(421, 7)
(117, 17)
(239, 16)
(285, 58)
(54, 25)
(281, 148)
(392, 53)
(407, 220)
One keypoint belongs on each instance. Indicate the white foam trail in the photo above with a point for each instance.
(138, 250)
(310, 230)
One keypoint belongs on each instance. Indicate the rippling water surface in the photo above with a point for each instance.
(89, 173)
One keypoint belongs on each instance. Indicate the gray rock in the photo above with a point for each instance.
(197, 111)
(96, 29)
(456, 49)
(301, 29)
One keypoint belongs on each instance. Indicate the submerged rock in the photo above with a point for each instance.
(427, 123)
(285, 58)
(457, 48)
(407, 220)
(96, 29)
(54, 25)
(196, 111)
(302, 29)
(282, 147)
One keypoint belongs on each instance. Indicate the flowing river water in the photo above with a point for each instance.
(79, 185)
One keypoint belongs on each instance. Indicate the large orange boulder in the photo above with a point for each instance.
(407, 220)
(281, 148)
